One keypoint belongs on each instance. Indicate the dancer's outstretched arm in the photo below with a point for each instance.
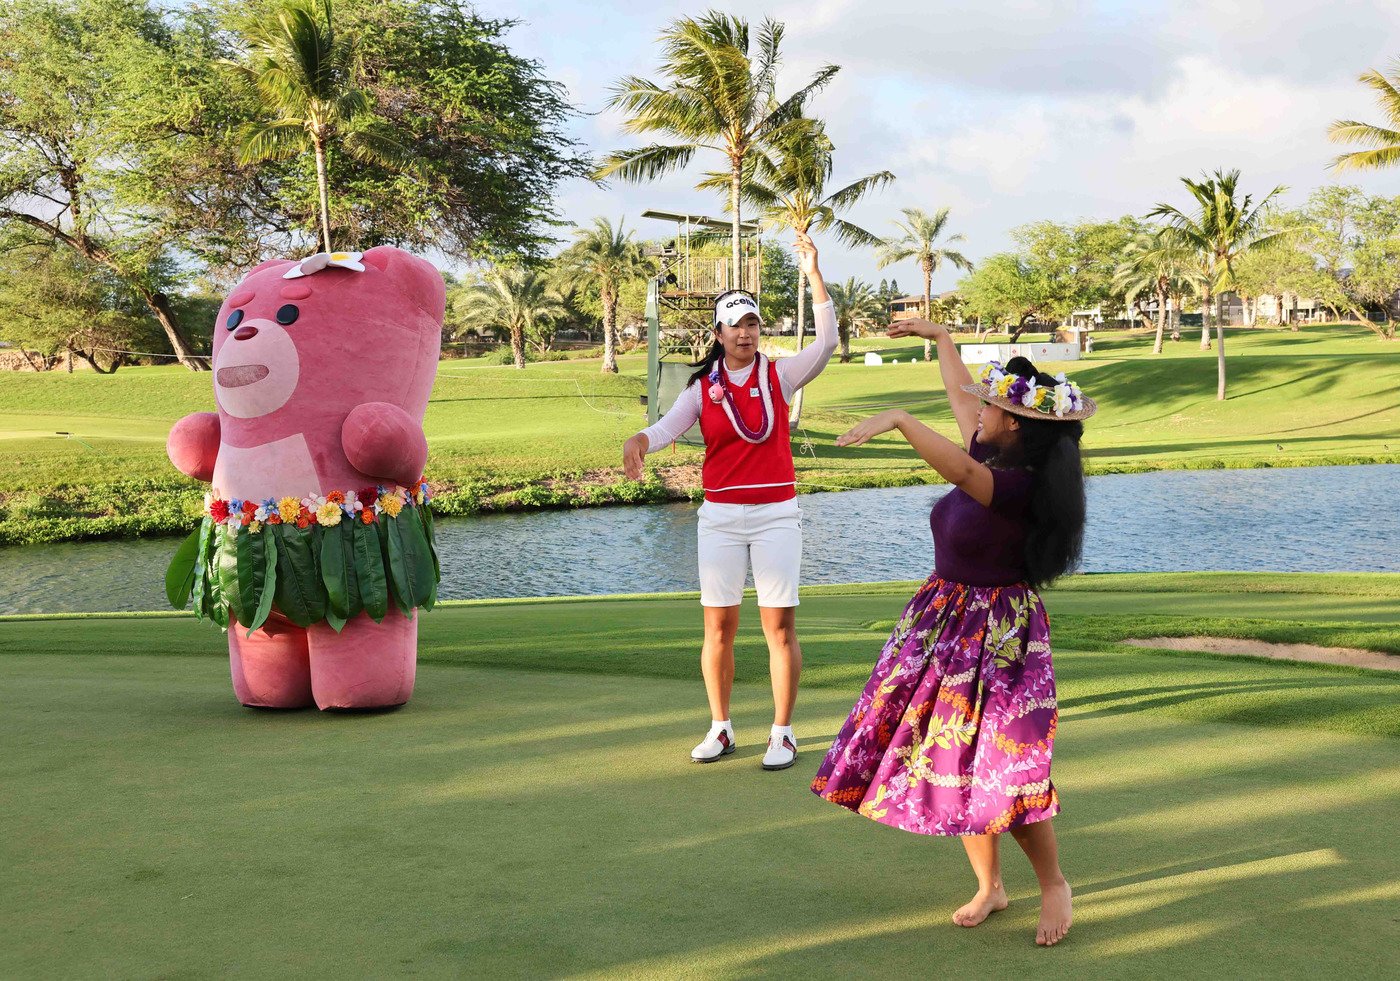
(951, 367)
(951, 461)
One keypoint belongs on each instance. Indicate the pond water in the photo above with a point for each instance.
(1314, 519)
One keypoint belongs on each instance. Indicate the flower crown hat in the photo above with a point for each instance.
(1063, 402)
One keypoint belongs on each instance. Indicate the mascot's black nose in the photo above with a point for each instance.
(245, 332)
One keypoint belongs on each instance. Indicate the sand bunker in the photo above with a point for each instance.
(1262, 648)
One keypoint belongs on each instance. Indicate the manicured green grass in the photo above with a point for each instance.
(551, 435)
(531, 812)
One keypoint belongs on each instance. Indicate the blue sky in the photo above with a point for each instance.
(1008, 112)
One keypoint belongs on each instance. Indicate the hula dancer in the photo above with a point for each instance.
(953, 733)
(750, 512)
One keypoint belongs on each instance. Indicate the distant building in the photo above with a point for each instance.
(907, 307)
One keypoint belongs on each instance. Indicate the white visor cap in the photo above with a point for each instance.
(732, 308)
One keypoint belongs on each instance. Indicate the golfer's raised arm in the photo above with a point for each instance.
(808, 363)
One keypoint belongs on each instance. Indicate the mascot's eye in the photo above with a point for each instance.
(287, 314)
(234, 319)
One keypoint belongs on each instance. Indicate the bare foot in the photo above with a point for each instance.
(983, 905)
(1055, 915)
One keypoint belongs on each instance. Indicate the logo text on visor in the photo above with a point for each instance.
(731, 311)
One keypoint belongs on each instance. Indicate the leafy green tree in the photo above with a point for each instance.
(1383, 140)
(1327, 224)
(604, 260)
(1073, 265)
(483, 127)
(519, 301)
(1316, 259)
(304, 74)
(720, 94)
(1006, 289)
(1285, 270)
(1375, 279)
(918, 239)
(1057, 269)
(111, 122)
(1220, 228)
(54, 303)
(115, 141)
(1377, 217)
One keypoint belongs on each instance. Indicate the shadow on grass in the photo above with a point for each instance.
(517, 824)
(1144, 699)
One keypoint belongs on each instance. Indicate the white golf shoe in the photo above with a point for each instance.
(782, 752)
(717, 745)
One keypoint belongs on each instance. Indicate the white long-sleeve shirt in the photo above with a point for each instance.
(794, 371)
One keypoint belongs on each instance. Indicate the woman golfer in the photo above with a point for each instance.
(750, 514)
(953, 733)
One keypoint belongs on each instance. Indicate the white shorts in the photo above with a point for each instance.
(731, 535)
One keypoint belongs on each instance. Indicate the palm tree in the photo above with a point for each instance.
(515, 300)
(946, 309)
(919, 234)
(1219, 231)
(303, 72)
(1158, 264)
(788, 186)
(717, 98)
(855, 300)
(606, 259)
(1384, 141)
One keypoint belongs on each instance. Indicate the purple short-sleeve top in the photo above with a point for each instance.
(983, 545)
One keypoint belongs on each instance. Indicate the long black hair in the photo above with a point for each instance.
(1050, 450)
(705, 365)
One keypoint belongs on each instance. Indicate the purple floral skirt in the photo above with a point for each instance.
(953, 733)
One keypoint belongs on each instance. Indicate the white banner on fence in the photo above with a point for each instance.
(982, 353)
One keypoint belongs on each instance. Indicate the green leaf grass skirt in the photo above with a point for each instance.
(318, 573)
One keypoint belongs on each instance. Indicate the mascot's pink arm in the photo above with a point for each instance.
(193, 445)
(383, 440)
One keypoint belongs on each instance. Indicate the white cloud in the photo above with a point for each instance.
(1014, 112)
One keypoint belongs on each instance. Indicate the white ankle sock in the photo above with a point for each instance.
(720, 725)
(780, 731)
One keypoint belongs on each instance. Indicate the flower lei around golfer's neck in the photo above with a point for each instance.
(721, 395)
(1063, 397)
(327, 510)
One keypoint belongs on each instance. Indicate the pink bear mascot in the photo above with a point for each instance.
(316, 546)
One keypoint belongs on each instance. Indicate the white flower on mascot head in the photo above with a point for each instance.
(321, 260)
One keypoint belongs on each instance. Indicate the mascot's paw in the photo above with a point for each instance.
(193, 445)
(385, 441)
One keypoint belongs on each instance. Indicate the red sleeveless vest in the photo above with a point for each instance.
(737, 471)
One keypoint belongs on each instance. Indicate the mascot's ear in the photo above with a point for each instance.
(418, 278)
